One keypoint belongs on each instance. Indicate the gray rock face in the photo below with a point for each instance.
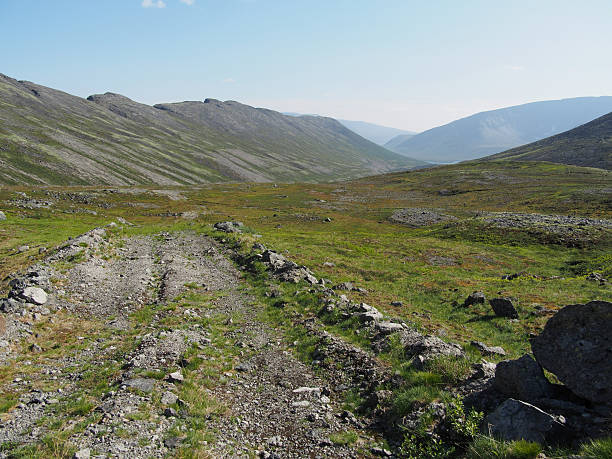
(576, 345)
(287, 270)
(426, 347)
(474, 298)
(516, 420)
(488, 350)
(34, 295)
(522, 378)
(503, 307)
(229, 227)
(141, 384)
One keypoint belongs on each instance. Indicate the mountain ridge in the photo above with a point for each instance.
(494, 131)
(49, 136)
(587, 145)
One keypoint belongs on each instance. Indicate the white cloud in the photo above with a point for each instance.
(228, 80)
(153, 4)
(188, 2)
(514, 68)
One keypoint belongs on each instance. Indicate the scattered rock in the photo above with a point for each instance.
(34, 295)
(142, 384)
(344, 286)
(397, 303)
(576, 345)
(423, 348)
(517, 420)
(168, 398)
(2, 216)
(488, 350)
(84, 453)
(474, 298)
(23, 248)
(503, 307)
(229, 227)
(176, 377)
(522, 378)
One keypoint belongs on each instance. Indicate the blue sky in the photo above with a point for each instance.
(407, 64)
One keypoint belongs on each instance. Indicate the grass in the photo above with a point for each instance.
(430, 270)
(344, 438)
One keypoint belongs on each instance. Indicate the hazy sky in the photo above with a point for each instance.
(407, 64)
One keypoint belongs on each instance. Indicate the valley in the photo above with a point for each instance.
(270, 347)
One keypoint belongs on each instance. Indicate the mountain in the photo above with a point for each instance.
(587, 145)
(495, 131)
(51, 137)
(394, 142)
(373, 132)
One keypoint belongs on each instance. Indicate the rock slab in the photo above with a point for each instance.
(516, 420)
(503, 307)
(522, 378)
(576, 345)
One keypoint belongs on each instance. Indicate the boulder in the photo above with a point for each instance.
(522, 378)
(488, 350)
(369, 313)
(576, 345)
(517, 420)
(141, 384)
(387, 328)
(503, 307)
(34, 295)
(343, 286)
(426, 347)
(2, 216)
(474, 298)
(229, 227)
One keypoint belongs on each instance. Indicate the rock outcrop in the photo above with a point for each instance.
(522, 378)
(517, 420)
(576, 345)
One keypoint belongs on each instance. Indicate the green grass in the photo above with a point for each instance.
(347, 437)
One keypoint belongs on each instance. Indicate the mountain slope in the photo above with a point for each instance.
(396, 141)
(374, 132)
(495, 131)
(587, 145)
(51, 137)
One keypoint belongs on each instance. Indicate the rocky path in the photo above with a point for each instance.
(149, 346)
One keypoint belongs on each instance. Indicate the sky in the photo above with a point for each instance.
(407, 64)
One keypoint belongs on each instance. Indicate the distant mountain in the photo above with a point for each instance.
(587, 145)
(396, 141)
(373, 132)
(51, 137)
(495, 131)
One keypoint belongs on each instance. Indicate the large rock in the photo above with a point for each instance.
(522, 378)
(516, 420)
(474, 298)
(34, 295)
(229, 227)
(488, 350)
(423, 348)
(503, 307)
(2, 216)
(576, 345)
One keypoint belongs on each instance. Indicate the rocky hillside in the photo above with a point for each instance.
(587, 145)
(495, 131)
(51, 137)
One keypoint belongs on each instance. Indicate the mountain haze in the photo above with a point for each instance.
(494, 131)
(373, 132)
(587, 145)
(51, 137)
